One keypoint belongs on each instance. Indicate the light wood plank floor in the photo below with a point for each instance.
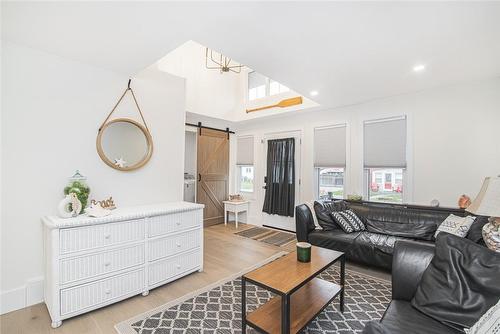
(225, 254)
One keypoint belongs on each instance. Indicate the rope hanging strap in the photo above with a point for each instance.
(120, 100)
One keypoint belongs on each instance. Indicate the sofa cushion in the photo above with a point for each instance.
(334, 239)
(382, 242)
(401, 317)
(323, 209)
(399, 220)
(461, 282)
(476, 230)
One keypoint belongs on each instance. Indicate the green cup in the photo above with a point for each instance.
(303, 252)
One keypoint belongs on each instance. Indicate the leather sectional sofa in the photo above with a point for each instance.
(385, 224)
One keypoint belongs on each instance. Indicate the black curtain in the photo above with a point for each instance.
(280, 179)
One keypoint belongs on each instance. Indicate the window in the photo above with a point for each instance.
(245, 178)
(244, 163)
(276, 88)
(330, 182)
(390, 190)
(260, 86)
(385, 159)
(330, 161)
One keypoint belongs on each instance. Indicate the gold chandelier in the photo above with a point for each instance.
(223, 64)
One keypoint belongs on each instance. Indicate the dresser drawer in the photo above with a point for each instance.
(163, 270)
(174, 244)
(159, 225)
(91, 295)
(89, 237)
(88, 266)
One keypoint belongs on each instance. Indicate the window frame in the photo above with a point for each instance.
(368, 182)
(239, 175)
(317, 175)
(267, 88)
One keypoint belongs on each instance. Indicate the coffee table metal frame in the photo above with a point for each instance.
(285, 298)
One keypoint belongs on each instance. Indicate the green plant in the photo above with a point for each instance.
(81, 191)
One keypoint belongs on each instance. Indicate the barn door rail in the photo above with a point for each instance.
(200, 126)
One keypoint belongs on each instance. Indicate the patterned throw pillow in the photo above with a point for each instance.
(348, 221)
(489, 323)
(456, 225)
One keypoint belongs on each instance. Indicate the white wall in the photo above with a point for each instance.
(452, 141)
(208, 92)
(51, 110)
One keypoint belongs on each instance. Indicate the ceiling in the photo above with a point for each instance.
(350, 52)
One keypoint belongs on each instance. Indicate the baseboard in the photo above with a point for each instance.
(29, 294)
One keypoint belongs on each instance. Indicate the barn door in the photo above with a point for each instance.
(213, 174)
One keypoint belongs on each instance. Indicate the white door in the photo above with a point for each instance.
(285, 223)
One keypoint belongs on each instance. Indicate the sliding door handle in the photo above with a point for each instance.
(199, 177)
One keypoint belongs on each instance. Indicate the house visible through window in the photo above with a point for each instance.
(385, 159)
(330, 183)
(245, 178)
(385, 185)
(260, 86)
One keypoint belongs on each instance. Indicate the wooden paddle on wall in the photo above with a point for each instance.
(293, 101)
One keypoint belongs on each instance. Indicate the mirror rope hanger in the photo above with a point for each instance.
(120, 100)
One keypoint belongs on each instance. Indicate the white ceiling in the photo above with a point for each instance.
(350, 52)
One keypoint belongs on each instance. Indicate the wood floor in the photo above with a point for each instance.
(225, 255)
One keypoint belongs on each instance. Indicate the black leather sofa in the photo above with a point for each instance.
(410, 261)
(385, 223)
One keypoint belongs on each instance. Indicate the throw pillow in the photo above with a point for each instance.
(460, 284)
(489, 323)
(310, 205)
(456, 225)
(323, 210)
(348, 221)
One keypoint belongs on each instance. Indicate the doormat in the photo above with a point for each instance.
(267, 235)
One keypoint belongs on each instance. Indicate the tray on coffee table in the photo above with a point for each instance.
(301, 296)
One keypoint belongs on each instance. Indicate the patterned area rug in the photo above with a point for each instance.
(268, 235)
(218, 309)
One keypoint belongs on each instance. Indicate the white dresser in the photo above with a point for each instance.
(93, 262)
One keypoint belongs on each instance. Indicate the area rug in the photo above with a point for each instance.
(267, 235)
(218, 308)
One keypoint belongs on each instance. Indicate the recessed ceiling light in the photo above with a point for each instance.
(314, 93)
(418, 68)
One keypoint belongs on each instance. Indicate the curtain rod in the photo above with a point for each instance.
(210, 128)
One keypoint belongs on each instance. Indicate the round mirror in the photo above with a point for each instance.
(124, 144)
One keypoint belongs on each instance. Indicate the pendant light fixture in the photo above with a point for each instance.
(221, 63)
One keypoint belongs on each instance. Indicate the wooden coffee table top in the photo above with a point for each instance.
(286, 273)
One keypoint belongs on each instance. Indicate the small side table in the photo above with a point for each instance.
(234, 207)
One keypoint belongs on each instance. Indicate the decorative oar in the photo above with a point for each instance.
(293, 101)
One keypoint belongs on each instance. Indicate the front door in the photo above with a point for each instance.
(213, 174)
(282, 222)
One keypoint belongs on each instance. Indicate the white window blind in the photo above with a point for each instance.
(244, 151)
(385, 143)
(330, 146)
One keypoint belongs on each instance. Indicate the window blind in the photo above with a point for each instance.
(244, 151)
(330, 146)
(385, 143)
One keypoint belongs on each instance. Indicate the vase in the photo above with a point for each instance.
(491, 234)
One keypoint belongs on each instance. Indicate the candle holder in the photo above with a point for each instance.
(303, 252)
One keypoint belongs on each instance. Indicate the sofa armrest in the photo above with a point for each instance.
(304, 222)
(410, 259)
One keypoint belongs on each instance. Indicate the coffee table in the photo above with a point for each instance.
(301, 296)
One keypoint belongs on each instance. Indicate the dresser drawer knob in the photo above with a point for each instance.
(107, 264)
(178, 223)
(107, 236)
(178, 245)
(108, 292)
(178, 266)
